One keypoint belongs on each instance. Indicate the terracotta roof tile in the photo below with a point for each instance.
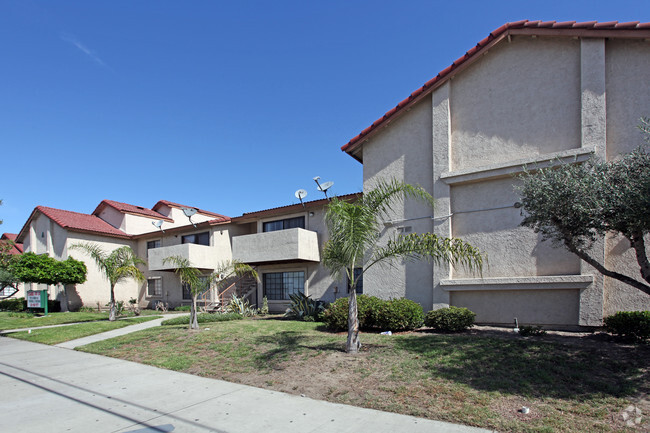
(16, 248)
(131, 209)
(80, 222)
(291, 208)
(201, 211)
(469, 55)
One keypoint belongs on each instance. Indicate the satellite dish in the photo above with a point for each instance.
(324, 187)
(300, 194)
(189, 213)
(158, 224)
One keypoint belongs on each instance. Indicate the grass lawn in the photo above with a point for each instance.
(11, 320)
(72, 332)
(479, 378)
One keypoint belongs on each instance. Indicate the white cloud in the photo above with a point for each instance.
(90, 53)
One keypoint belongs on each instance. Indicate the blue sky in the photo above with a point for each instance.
(227, 106)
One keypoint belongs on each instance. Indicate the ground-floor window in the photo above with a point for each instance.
(358, 273)
(279, 285)
(154, 287)
(187, 291)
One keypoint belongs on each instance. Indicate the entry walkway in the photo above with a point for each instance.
(47, 388)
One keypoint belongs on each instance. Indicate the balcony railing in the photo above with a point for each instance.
(200, 256)
(277, 246)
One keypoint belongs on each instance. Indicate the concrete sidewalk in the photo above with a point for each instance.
(48, 388)
(111, 334)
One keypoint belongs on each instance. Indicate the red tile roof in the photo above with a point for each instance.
(201, 211)
(130, 209)
(16, 248)
(74, 221)
(290, 208)
(525, 27)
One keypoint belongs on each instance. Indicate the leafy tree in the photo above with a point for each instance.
(199, 284)
(355, 228)
(575, 205)
(118, 265)
(41, 268)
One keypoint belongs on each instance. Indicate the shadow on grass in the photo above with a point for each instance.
(532, 368)
(286, 343)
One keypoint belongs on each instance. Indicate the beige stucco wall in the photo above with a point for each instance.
(113, 217)
(530, 307)
(484, 216)
(531, 99)
(96, 289)
(522, 98)
(403, 151)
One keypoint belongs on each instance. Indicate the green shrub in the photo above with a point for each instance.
(304, 308)
(629, 325)
(397, 315)
(13, 304)
(528, 331)
(204, 318)
(183, 308)
(335, 315)
(452, 319)
(85, 309)
(375, 314)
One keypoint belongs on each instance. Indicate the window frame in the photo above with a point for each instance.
(285, 276)
(157, 282)
(286, 224)
(196, 237)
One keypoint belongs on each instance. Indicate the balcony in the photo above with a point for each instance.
(292, 245)
(200, 256)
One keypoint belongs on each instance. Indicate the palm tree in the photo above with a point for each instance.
(118, 265)
(354, 232)
(193, 278)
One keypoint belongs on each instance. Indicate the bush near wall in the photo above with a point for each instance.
(452, 319)
(375, 314)
(629, 325)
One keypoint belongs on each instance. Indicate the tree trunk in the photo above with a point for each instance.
(194, 321)
(607, 272)
(113, 312)
(638, 243)
(354, 343)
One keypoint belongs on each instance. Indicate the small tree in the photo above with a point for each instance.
(575, 205)
(41, 268)
(118, 265)
(355, 229)
(193, 278)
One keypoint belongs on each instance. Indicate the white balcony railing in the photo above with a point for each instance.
(200, 256)
(278, 246)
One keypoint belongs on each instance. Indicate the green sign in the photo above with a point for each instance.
(37, 299)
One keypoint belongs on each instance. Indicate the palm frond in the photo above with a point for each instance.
(430, 247)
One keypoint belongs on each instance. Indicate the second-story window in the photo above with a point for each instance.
(287, 223)
(197, 238)
(152, 244)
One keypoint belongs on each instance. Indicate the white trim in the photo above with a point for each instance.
(552, 282)
(515, 167)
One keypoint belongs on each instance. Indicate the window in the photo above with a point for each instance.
(279, 285)
(187, 291)
(197, 238)
(152, 244)
(288, 223)
(154, 287)
(358, 272)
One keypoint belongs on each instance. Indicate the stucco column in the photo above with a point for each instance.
(441, 133)
(594, 130)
